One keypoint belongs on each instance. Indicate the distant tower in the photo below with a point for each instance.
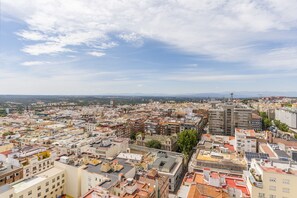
(111, 102)
(231, 96)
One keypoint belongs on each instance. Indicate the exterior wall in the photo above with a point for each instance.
(52, 186)
(90, 180)
(173, 179)
(286, 116)
(244, 143)
(8, 193)
(216, 121)
(36, 166)
(72, 179)
(274, 184)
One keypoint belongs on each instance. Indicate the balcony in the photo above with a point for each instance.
(255, 179)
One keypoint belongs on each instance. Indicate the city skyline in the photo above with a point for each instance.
(173, 47)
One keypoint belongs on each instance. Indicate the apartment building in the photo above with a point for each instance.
(170, 166)
(218, 160)
(135, 125)
(40, 161)
(9, 173)
(216, 121)
(152, 127)
(287, 116)
(256, 122)
(272, 179)
(245, 141)
(106, 148)
(223, 119)
(169, 128)
(46, 184)
(189, 126)
(72, 167)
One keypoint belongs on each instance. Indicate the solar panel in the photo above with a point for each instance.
(251, 155)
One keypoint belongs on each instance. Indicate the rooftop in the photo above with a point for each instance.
(112, 175)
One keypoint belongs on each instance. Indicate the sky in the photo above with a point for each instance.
(95, 47)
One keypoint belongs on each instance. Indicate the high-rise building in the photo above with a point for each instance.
(223, 119)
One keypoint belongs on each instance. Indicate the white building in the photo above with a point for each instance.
(245, 141)
(171, 166)
(72, 177)
(287, 116)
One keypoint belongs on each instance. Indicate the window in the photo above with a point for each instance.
(272, 196)
(63, 181)
(47, 183)
(286, 181)
(272, 179)
(30, 192)
(11, 196)
(39, 194)
(39, 187)
(58, 177)
(286, 190)
(53, 186)
(46, 190)
(261, 195)
(21, 196)
(273, 188)
(63, 175)
(53, 180)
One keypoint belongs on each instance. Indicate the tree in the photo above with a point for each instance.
(133, 135)
(266, 122)
(187, 139)
(281, 126)
(154, 144)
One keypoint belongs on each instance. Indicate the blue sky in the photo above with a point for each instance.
(172, 47)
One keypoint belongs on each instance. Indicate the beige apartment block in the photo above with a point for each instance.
(272, 179)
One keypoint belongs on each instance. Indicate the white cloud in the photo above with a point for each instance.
(34, 63)
(32, 35)
(45, 48)
(98, 54)
(104, 46)
(223, 30)
(133, 38)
